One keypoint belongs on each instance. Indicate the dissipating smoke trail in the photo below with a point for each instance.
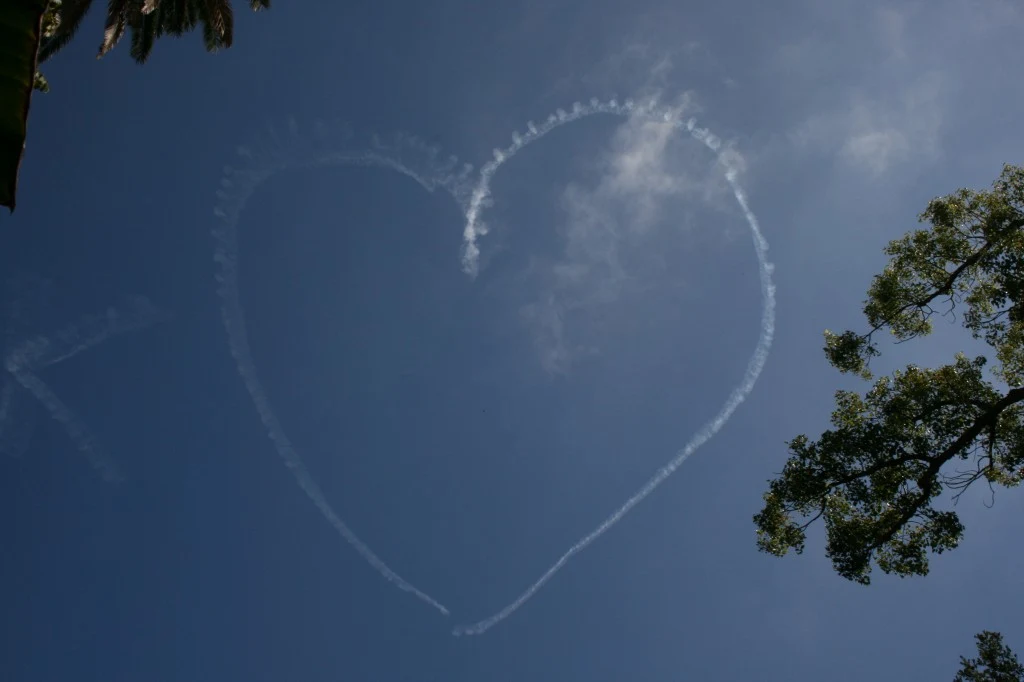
(42, 351)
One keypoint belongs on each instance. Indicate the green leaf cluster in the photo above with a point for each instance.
(996, 662)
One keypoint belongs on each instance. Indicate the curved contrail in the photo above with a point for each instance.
(474, 228)
(237, 188)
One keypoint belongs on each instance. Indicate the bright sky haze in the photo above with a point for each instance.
(378, 346)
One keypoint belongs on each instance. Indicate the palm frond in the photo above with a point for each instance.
(144, 33)
(210, 38)
(71, 14)
(221, 16)
(217, 21)
(227, 14)
(148, 20)
(117, 22)
(178, 16)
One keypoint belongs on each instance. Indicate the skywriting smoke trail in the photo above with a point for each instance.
(475, 228)
(237, 188)
(294, 152)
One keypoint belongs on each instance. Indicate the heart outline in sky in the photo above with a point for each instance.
(292, 151)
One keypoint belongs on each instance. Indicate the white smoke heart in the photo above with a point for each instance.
(292, 151)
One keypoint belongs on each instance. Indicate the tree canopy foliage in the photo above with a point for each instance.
(996, 662)
(876, 478)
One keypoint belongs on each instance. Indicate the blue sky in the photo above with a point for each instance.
(469, 431)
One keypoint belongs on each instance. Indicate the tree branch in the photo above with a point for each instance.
(945, 288)
(1014, 396)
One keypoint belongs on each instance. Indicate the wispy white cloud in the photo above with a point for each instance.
(545, 318)
(883, 89)
(642, 47)
(876, 149)
(876, 132)
(638, 171)
(612, 228)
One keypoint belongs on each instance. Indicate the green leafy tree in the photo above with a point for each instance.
(996, 662)
(876, 477)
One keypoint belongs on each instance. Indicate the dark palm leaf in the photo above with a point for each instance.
(228, 19)
(218, 23)
(210, 38)
(212, 21)
(20, 33)
(150, 19)
(71, 14)
(144, 34)
(179, 16)
(118, 18)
